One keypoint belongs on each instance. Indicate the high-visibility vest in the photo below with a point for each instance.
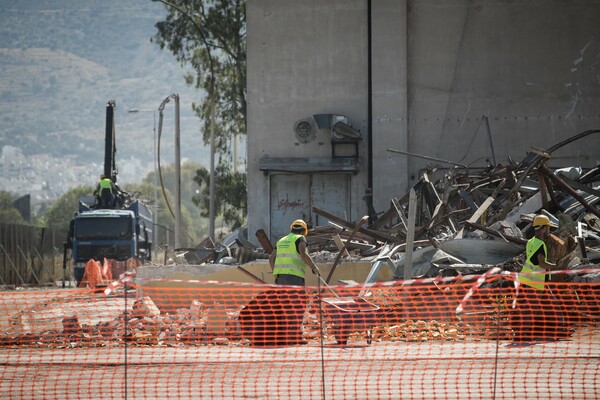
(288, 260)
(105, 183)
(538, 278)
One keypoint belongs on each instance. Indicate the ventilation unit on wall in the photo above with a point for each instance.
(342, 132)
(304, 131)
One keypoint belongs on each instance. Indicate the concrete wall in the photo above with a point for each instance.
(532, 68)
(304, 58)
(390, 106)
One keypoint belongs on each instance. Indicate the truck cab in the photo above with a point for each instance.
(111, 234)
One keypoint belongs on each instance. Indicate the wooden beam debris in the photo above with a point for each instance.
(476, 215)
(569, 190)
(361, 222)
(455, 202)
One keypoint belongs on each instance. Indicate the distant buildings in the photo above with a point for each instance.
(46, 178)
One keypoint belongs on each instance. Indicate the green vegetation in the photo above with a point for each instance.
(231, 196)
(193, 224)
(61, 212)
(9, 214)
(212, 41)
(214, 45)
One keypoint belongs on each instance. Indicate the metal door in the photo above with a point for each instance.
(330, 192)
(290, 200)
(293, 196)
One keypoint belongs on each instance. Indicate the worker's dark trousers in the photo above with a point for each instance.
(106, 199)
(290, 309)
(538, 315)
(291, 280)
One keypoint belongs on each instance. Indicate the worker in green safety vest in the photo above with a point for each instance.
(538, 314)
(536, 256)
(105, 192)
(290, 257)
(289, 261)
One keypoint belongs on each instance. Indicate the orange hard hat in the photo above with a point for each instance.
(299, 224)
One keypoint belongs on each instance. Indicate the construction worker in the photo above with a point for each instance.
(105, 192)
(290, 257)
(538, 314)
(289, 261)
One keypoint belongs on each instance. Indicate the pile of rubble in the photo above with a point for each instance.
(453, 205)
(498, 202)
(198, 325)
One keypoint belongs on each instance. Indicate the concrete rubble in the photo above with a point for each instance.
(456, 204)
(200, 324)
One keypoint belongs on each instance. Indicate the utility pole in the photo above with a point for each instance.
(177, 175)
(177, 213)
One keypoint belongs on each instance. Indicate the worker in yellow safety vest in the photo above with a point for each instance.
(105, 192)
(289, 261)
(538, 314)
(290, 257)
(536, 254)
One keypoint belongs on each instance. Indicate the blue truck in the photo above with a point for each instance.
(114, 234)
(118, 233)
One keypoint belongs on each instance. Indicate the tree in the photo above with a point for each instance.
(217, 52)
(214, 46)
(61, 212)
(230, 195)
(9, 214)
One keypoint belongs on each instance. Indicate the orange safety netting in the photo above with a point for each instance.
(444, 338)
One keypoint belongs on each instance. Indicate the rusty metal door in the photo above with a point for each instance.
(293, 196)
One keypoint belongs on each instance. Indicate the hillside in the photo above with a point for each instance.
(62, 60)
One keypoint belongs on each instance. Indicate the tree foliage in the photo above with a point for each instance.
(230, 195)
(9, 214)
(214, 45)
(191, 222)
(210, 37)
(61, 213)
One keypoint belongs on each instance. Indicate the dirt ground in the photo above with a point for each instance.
(383, 370)
(397, 370)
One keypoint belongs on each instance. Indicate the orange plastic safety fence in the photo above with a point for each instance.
(207, 340)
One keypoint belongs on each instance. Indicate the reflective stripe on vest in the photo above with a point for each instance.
(538, 278)
(288, 260)
(106, 184)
